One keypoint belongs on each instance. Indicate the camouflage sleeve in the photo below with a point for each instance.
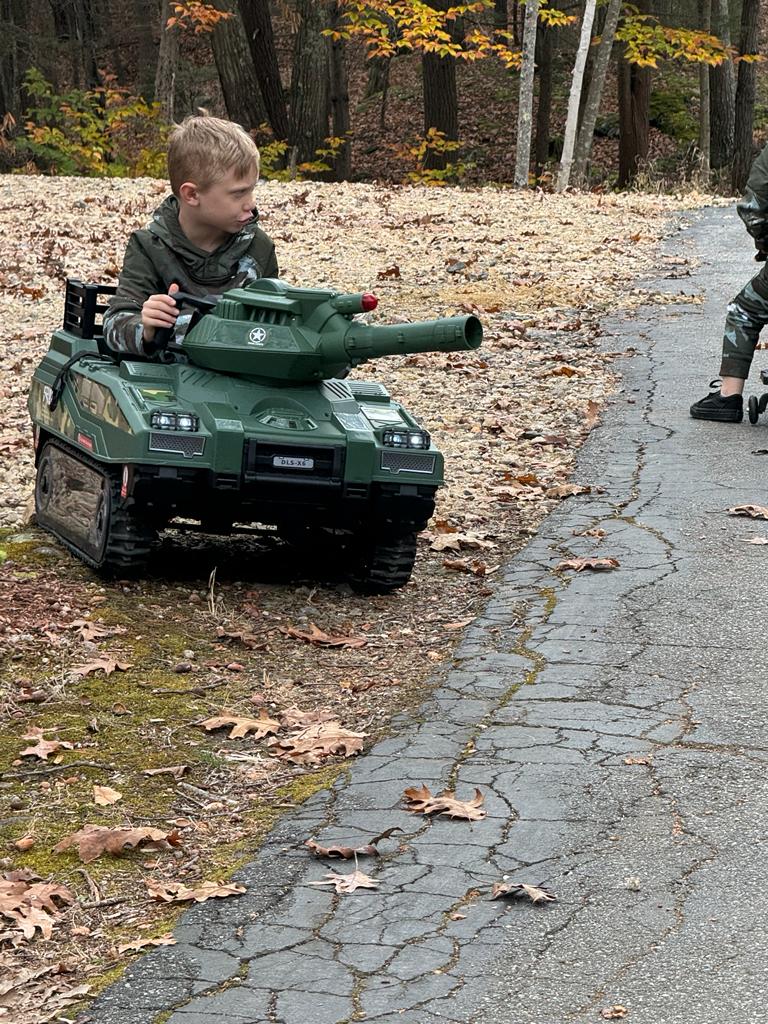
(122, 321)
(753, 208)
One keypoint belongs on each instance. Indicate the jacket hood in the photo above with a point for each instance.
(209, 267)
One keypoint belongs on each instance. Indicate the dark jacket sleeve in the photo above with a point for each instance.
(753, 208)
(271, 269)
(138, 280)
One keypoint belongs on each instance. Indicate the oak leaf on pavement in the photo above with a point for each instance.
(348, 883)
(535, 893)
(753, 511)
(421, 801)
(596, 564)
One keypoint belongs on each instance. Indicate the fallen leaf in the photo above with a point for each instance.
(25, 843)
(617, 1012)
(535, 893)
(348, 883)
(103, 796)
(446, 542)
(753, 511)
(241, 727)
(475, 566)
(566, 490)
(32, 905)
(92, 631)
(563, 371)
(177, 892)
(460, 624)
(92, 840)
(295, 718)
(421, 801)
(104, 663)
(311, 745)
(138, 944)
(597, 564)
(755, 540)
(314, 635)
(393, 271)
(346, 852)
(637, 760)
(44, 748)
(592, 415)
(178, 771)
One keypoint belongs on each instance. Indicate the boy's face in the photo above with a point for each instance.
(227, 205)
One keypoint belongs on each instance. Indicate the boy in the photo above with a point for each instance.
(204, 239)
(748, 313)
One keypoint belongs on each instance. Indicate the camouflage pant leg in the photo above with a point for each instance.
(745, 318)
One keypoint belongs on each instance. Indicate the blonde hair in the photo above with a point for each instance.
(205, 149)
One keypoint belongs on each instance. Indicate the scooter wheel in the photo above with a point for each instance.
(752, 410)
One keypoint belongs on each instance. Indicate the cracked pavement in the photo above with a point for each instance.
(615, 723)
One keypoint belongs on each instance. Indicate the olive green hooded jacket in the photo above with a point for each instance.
(753, 208)
(162, 255)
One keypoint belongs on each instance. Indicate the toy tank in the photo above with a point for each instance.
(246, 422)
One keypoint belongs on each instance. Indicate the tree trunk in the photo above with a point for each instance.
(261, 40)
(13, 22)
(310, 87)
(500, 20)
(634, 104)
(339, 85)
(441, 101)
(749, 42)
(705, 24)
(721, 93)
(167, 64)
(237, 75)
(73, 24)
(595, 93)
(545, 38)
(574, 100)
(525, 107)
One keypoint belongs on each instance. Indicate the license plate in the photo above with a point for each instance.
(292, 462)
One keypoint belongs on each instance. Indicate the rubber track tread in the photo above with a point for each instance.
(388, 565)
(129, 542)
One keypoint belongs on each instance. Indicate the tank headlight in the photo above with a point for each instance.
(406, 438)
(173, 421)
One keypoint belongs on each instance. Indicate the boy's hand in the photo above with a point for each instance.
(159, 311)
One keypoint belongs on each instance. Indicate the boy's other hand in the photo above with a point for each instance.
(159, 311)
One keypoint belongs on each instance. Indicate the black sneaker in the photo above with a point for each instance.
(714, 407)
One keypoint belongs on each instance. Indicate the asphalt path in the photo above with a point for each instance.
(615, 722)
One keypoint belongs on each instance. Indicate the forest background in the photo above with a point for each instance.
(542, 92)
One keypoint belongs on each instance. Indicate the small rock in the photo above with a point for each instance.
(183, 666)
(17, 803)
(188, 655)
(195, 598)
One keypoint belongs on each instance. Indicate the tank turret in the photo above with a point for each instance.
(273, 333)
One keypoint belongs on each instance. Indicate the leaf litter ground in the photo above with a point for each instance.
(119, 682)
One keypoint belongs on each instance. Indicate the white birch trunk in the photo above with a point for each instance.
(525, 108)
(595, 93)
(572, 120)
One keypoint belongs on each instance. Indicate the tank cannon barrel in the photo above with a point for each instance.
(450, 334)
(275, 333)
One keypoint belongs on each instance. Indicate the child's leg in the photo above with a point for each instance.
(745, 318)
